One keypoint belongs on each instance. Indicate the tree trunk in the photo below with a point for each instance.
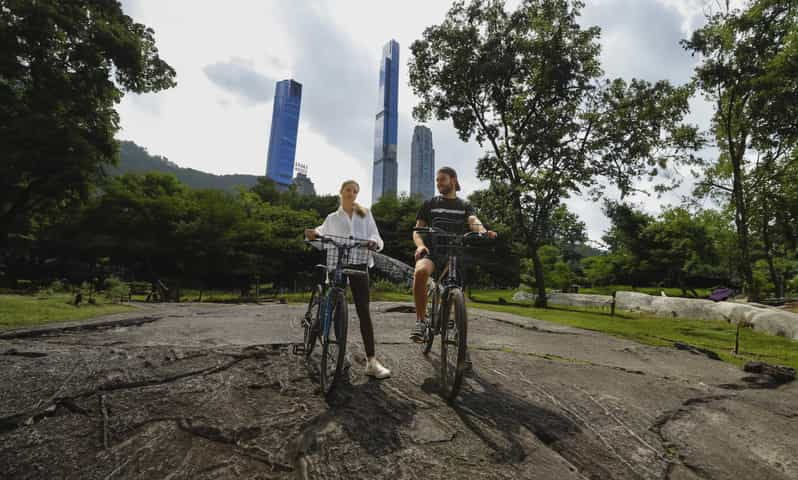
(774, 274)
(540, 301)
(532, 245)
(741, 222)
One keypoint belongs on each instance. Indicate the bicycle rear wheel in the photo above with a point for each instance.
(312, 320)
(454, 328)
(432, 306)
(334, 345)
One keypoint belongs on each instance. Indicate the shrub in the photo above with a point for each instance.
(116, 290)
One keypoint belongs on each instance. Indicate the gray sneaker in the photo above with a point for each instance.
(417, 334)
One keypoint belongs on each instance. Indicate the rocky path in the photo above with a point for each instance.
(206, 391)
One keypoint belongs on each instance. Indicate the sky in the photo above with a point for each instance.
(229, 55)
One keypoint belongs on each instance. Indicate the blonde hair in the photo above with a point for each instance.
(359, 209)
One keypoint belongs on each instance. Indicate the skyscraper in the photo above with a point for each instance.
(385, 132)
(422, 163)
(303, 183)
(282, 139)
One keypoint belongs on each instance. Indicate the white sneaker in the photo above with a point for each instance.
(375, 369)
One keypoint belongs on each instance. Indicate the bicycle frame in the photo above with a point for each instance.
(334, 283)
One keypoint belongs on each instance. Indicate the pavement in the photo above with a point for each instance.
(205, 391)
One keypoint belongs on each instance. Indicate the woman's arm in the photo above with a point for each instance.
(322, 229)
(373, 232)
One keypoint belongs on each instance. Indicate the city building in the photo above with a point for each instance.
(422, 163)
(386, 121)
(304, 186)
(283, 136)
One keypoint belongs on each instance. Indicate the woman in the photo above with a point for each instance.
(351, 219)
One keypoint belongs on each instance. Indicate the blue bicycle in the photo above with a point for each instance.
(326, 320)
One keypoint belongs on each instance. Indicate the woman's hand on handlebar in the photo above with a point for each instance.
(311, 234)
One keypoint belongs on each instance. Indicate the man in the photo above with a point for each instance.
(449, 213)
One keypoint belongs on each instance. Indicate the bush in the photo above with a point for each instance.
(116, 290)
(383, 285)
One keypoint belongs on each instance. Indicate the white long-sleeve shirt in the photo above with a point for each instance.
(340, 224)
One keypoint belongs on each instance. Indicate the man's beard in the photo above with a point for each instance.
(445, 190)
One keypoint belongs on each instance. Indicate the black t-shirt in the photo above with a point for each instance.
(450, 214)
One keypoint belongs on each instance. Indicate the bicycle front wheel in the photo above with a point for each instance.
(312, 320)
(433, 301)
(454, 328)
(334, 345)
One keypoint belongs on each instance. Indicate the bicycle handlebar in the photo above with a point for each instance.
(341, 241)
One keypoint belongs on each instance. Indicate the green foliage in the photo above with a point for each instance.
(678, 248)
(382, 285)
(556, 270)
(749, 72)
(601, 270)
(116, 290)
(396, 218)
(526, 84)
(65, 65)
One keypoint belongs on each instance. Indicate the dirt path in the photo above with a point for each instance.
(205, 391)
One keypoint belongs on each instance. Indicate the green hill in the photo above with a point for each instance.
(133, 158)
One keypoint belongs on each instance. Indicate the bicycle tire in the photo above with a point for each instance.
(334, 345)
(453, 344)
(312, 319)
(432, 306)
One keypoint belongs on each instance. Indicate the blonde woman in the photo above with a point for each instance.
(351, 219)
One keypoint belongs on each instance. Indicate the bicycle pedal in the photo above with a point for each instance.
(298, 349)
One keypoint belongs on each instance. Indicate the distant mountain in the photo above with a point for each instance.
(133, 158)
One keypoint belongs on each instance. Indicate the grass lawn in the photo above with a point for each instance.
(717, 336)
(29, 310)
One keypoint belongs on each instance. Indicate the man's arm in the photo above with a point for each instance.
(475, 225)
(416, 237)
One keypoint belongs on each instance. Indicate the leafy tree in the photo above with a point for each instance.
(557, 271)
(677, 248)
(749, 71)
(526, 84)
(396, 217)
(63, 67)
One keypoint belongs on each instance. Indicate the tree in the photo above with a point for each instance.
(749, 71)
(526, 84)
(396, 217)
(63, 67)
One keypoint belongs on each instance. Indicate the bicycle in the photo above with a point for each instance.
(444, 297)
(327, 313)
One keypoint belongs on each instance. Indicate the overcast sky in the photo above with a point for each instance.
(228, 56)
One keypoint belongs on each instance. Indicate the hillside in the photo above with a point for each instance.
(133, 158)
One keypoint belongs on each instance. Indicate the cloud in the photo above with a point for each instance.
(641, 40)
(239, 77)
(339, 79)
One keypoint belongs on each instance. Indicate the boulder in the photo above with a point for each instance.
(683, 308)
(633, 301)
(524, 297)
(782, 324)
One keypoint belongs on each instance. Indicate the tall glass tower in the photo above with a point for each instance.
(282, 140)
(385, 132)
(422, 163)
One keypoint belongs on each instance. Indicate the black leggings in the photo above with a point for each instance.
(359, 284)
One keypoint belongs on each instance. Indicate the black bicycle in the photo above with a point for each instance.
(446, 309)
(326, 320)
